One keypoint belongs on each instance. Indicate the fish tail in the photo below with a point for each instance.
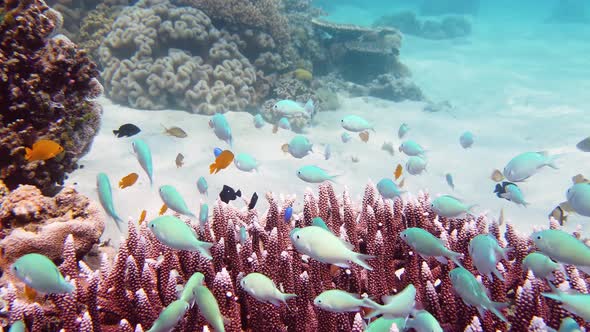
(239, 193)
(360, 259)
(374, 306)
(470, 210)
(551, 161)
(68, 287)
(497, 273)
(204, 248)
(212, 168)
(455, 256)
(119, 222)
(116, 132)
(495, 307)
(288, 296)
(28, 153)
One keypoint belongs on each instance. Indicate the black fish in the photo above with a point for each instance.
(501, 188)
(229, 194)
(127, 129)
(253, 201)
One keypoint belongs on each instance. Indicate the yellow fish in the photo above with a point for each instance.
(398, 171)
(43, 150)
(364, 135)
(497, 176)
(222, 161)
(275, 128)
(285, 147)
(163, 210)
(302, 74)
(142, 216)
(128, 180)
(402, 182)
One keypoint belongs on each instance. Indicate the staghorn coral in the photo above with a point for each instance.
(31, 222)
(129, 292)
(159, 55)
(45, 84)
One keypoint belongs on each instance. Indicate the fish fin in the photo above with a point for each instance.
(239, 193)
(497, 274)
(288, 296)
(585, 269)
(212, 168)
(119, 222)
(505, 196)
(204, 249)
(341, 265)
(28, 153)
(495, 307)
(165, 129)
(455, 256)
(441, 259)
(360, 259)
(116, 132)
(367, 302)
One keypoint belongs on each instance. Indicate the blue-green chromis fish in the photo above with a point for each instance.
(202, 186)
(221, 128)
(541, 265)
(398, 305)
(384, 324)
(578, 197)
(245, 162)
(258, 121)
(171, 197)
(416, 165)
(423, 321)
(176, 234)
(38, 272)
(243, 235)
(299, 146)
(314, 174)
(451, 207)
(572, 301)
(284, 124)
(263, 289)
(336, 300)
(170, 316)
(474, 294)
(403, 130)
(196, 280)
(105, 196)
(411, 148)
(144, 156)
(291, 108)
(428, 245)
(388, 189)
(563, 247)
(514, 195)
(569, 324)
(486, 253)
(356, 123)
(527, 164)
(450, 181)
(209, 308)
(18, 326)
(466, 140)
(203, 214)
(325, 247)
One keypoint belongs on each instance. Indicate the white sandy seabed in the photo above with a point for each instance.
(513, 102)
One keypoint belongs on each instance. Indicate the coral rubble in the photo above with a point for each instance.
(132, 290)
(45, 86)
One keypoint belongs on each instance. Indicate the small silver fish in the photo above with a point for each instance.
(175, 131)
(388, 146)
(403, 129)
(584, 145)
(327, 152)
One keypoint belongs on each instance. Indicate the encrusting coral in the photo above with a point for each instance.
(132, 290)
(45, 86)
(31, 222)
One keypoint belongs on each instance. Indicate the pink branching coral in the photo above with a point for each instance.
(129, 293)
(44, 86)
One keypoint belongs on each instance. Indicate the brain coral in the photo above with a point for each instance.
(159, 55)
(45, 84)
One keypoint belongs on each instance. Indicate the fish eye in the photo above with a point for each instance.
(15, 268)
(404, 235)
(538, 237)
(275, 106)
(297, 236)
(152, 225)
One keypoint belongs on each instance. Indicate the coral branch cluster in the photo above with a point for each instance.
(129, 293)
(45, 84)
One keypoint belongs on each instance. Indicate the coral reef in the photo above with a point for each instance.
(45, 84)
(443, 7)
(446, 28)
(159, 55)
(95, 26)
(132, 290)
(31, 222)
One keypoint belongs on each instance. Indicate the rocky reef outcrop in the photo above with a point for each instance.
(46, 87)
(445, 28)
